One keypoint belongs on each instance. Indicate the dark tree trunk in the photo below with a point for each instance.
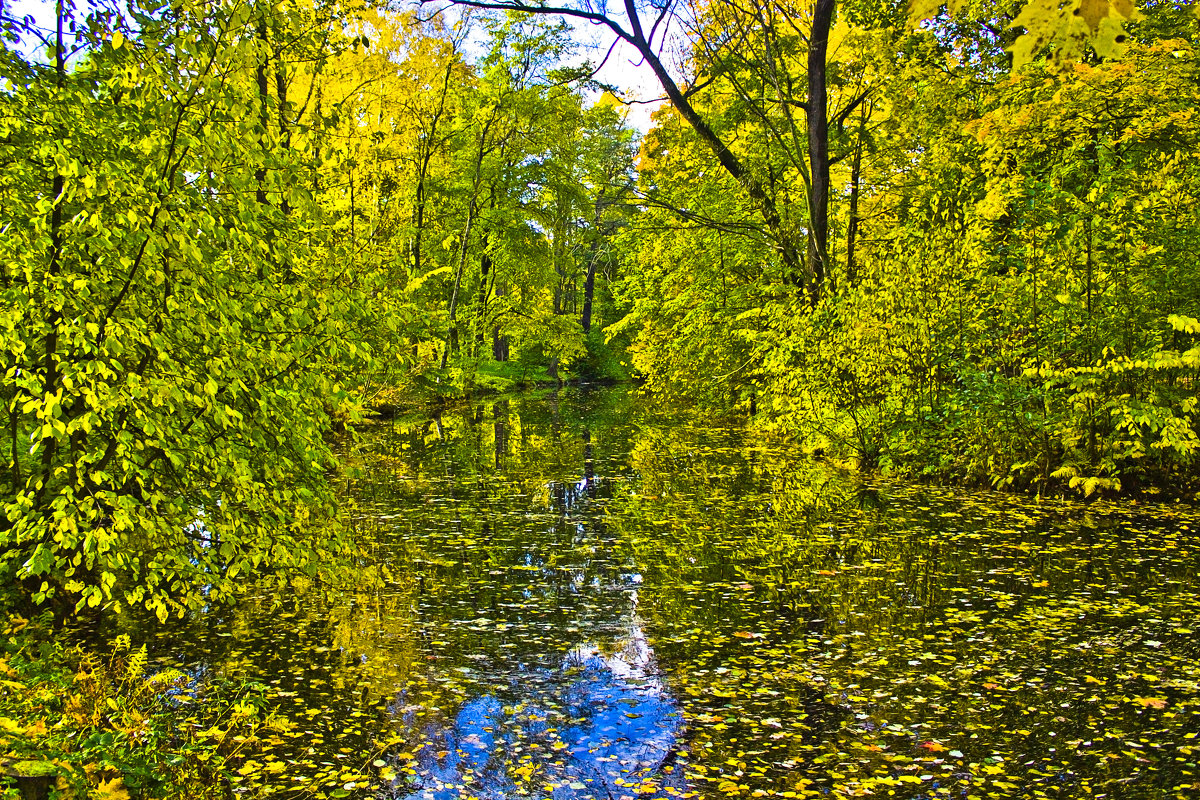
(499, 345)
(785, 240)
(419, 215)
(485, 289)
(472, 208)
(284, 138)
(50, 356)
(818, 145)
(428, 145)
(264, 93)
(499, 340)
(589, 288)
(852, 223)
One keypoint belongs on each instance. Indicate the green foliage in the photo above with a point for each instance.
(173, 320)
(1015, 310)
(485, 194)
(1068, 28)
(109, 727)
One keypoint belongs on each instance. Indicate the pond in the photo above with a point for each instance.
(575, 596)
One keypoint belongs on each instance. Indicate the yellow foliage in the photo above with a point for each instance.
(111, 790)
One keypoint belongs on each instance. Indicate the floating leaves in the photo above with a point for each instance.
(719, 618)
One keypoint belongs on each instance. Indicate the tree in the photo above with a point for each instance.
(173, 318)
(645, 29)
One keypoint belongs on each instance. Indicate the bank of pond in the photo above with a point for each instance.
(574, 595)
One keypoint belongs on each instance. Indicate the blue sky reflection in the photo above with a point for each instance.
(604, 724)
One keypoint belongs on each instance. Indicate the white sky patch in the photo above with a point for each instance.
(637, 83)
(42, 12)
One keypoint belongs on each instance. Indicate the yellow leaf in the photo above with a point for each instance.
(111, 790)
(1150, 702)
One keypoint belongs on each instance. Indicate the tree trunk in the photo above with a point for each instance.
(50, 382)
(818, 146)
(852, 222)
(499, 345)
(452, 337)
(485, 289)
(284, 137)
(419, 214)
(260, 78)
(785, 241)
(472, 207)
(589, 288)
(499, 340)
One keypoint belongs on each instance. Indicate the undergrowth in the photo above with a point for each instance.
(78, 724)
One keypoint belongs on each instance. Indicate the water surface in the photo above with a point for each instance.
(584, 598)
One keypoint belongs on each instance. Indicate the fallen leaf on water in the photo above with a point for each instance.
(1150, 702)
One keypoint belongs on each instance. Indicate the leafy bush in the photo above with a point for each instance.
(111, 727)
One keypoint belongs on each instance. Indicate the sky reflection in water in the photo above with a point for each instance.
(624, 726)
(622, 723)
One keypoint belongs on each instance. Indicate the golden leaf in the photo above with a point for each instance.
(1151, 702)
(111, 790)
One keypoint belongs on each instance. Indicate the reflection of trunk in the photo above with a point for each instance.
(818, 145)
(589, 463)
(554, 416)
(500, 424)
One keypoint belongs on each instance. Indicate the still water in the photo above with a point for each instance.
(574, 596)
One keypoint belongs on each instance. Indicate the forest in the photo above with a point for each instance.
(952, 243)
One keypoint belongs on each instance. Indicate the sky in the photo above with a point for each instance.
(623, 69)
